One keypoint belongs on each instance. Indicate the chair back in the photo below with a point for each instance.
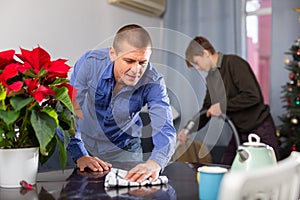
(280, 181)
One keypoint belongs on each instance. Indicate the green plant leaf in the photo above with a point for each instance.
(62, 95)
(5, 143)
(52, 113)
(2, 97)
(42, 72)
(10, 134)
(50, 150)
(60, 81)
(2, 105)
(62, 154)
(66, 137)
(44, 126)
(73, 126)
(67, 123)
(30, 73)
(2, 93)
(9, 116)
(19, 102)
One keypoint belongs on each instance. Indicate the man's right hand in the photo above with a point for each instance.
(94, 163)
(182, 137)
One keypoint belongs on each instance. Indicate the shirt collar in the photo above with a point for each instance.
(220, 58)
(108, 73)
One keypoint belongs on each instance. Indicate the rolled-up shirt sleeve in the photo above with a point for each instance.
(76, 148)
(78, 80)
(163, 131)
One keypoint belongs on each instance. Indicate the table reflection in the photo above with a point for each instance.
(73, 184)
(92, 187)
(17, 193)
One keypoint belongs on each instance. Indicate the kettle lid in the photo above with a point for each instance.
(254, 141)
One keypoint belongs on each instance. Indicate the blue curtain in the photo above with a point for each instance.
(220, 21)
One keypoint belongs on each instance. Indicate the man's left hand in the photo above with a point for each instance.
(143, 171)
(214, 110)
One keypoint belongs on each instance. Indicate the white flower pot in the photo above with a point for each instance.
(18, 164)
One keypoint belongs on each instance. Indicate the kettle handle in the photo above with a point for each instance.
(251, 136)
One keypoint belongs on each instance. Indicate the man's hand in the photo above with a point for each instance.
(94, 163)
(214, 110)
(182, 137)
(143, 171)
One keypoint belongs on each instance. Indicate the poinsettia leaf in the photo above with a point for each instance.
(30, 73)
(16, 86)
(38, 57)
(6, 57)
(6, 143)
(73, 124)
(2, 105)
(60, 81)
(9, 116)
(50, 149)
(10, 134)
(42, 72)
(2, 92)
(44, 126)
(2, 98)
(62, 154)
(66, 137)
(10, 71)
(58, 68)
(62, 96)
(15, 93)
(19, 102)
(51, 112)
(66, 120)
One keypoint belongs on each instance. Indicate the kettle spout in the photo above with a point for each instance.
(243, 155)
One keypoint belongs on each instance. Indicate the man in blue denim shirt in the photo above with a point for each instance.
(112, 86)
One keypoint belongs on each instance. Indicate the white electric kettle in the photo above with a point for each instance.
(250, 155)
(253, 155)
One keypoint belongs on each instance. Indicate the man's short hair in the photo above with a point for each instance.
(134, 34)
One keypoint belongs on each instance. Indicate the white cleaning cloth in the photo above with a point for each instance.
(116, 176)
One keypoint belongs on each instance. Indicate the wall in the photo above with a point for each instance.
(285, 30)
(65, 28)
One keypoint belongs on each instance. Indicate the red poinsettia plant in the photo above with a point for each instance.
(35, 101)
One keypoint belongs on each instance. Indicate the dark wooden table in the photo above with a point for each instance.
(73, 184)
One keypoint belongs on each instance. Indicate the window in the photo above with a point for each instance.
(258, 28)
